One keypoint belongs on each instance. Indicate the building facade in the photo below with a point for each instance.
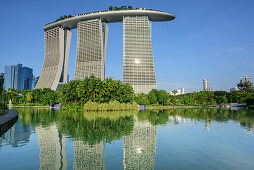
(91, 49)
(55, 67)
(138, 63)
(18, 77)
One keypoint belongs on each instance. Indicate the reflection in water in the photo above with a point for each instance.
(89, 156)
(94, 127)
(90, 131)
(139, 148)
(18, 135)
(52, 148)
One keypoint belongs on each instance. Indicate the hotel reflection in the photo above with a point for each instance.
(139, 149)
(52, 148)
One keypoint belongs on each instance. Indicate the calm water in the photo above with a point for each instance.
(168, 139)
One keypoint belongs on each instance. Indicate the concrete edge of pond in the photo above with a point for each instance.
(184, 107)
(8, 118)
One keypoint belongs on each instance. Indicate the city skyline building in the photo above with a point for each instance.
(92, 36)
(178, 92)
(138, 64)
(206, 86)
(91, 49)
(55, 67)
(18, 77)
(34, 81)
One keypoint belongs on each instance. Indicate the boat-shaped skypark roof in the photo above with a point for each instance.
(110, 17)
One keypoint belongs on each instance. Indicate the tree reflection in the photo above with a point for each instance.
(91, 127)
(208, 115)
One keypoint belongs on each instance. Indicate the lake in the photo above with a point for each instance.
(152, 139)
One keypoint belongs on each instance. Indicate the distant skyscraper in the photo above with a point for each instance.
(182, 90)
(205, 85)
(34, 81)
(18, 77)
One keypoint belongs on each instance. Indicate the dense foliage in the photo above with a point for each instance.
(245, 85)
(78, 92)
(119, 8)
(44, 97)
(153, 97)
(1, 94)
(90, 127)
(1, 84)
(161, 97)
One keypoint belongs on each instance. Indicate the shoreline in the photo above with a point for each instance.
(183, 107)
(147, 107)
(7, 120)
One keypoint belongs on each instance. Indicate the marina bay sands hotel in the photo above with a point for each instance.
(138, 63)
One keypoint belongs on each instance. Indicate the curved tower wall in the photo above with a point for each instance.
(57, 47)
(91, 49)
(138, 64)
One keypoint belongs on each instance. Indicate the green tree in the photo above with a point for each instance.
(237, 96)
(152, 96)
(245, 86)
(130, 7)
(12, 95)
(29, 97)
(110, 8)
(96, 90)
(220, 97)
(162, 97)
(1, 84)
(142, 98)
(48, 97)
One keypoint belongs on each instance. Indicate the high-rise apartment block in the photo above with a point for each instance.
(138, 63)
(206, 86)
(18, 77)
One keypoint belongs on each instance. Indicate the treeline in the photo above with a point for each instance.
(111, 8)
(41, 97)
(110, 94)
(96, 90)
(161, 97)
(77, 93)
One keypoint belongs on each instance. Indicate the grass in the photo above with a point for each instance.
(111, 106)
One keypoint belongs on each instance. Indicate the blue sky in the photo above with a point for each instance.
(211, 39)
